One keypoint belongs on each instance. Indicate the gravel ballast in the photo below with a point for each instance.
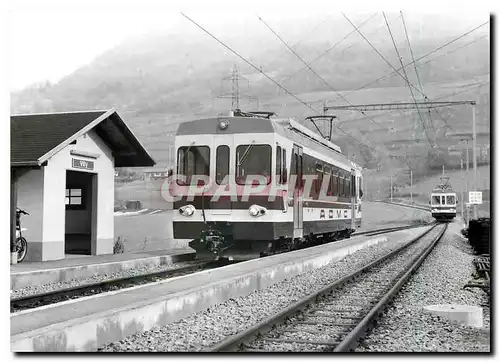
(439, 280)
(206, 328)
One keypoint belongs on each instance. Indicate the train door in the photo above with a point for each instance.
(223, 169)
(298, 211)
(353, 199)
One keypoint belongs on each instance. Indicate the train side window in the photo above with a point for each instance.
(301, 171)
(327, 171)
(347, 185)
(284, 179)
(222, 164)
(353, 184)
(319, 177)
(335, 182)
(278, 165)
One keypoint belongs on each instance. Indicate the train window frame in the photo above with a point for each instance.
(327, 170)
(279, 169)
(319, 176)
(284, 178)
(217, 164)
(249, 146)
(341, 183)
(185, 149)
(335, 185)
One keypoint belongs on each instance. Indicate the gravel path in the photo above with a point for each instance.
(36, 289)
(206, 328)
(439, 280)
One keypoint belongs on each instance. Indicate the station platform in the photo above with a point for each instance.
(82, 266)
(86, 323)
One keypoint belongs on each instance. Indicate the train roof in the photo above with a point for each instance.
(285, 127)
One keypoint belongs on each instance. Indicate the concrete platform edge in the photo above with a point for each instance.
(55, 275)
(89, 332)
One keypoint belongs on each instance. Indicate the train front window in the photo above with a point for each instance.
(450, 200)
(221, 164)
(436, 200)
(192, 161)
(253, 160)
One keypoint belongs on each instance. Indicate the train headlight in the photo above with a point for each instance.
(187, 210)
(256, 210)
(223, 125)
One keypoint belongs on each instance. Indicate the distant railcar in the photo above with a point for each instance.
(443, 201)
(282, 214)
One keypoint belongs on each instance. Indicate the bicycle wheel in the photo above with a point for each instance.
(21, 248)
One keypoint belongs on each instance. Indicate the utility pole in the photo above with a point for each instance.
(467, 182)
(443, 170)
(391, 188)
(474, 156)
(462, 188)
(411, 186)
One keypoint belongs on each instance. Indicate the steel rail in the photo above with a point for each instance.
(350, 341)
(20, 303)
(232, 343)
(389, 229)
(410, 206)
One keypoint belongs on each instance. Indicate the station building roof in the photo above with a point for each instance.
(37, 137)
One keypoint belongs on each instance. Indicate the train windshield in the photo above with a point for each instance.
(193, 161)
(252, 160)
(450, 200)
(436, 199)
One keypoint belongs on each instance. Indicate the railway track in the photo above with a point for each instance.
(337, 316)
(389, 229)
(59, 295)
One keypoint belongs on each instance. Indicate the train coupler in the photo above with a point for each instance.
(214, 241)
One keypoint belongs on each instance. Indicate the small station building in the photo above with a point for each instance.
(62, 174)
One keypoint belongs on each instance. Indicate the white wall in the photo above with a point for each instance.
(30, 199)
(55, 186)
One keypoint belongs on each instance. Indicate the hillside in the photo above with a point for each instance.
(157, 81)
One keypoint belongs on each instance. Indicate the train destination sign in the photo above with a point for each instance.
(87, 165)
(475, 197)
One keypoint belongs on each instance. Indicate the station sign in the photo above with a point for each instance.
(475, 197)
(87, 165)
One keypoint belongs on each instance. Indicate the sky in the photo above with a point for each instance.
(48, 40)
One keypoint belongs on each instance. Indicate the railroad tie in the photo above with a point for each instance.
(291, 330)
(328, 314)
(301, 341)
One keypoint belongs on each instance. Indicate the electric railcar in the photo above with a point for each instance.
(285, 210)
(443, 202)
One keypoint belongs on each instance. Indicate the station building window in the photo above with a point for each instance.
(75, 199)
